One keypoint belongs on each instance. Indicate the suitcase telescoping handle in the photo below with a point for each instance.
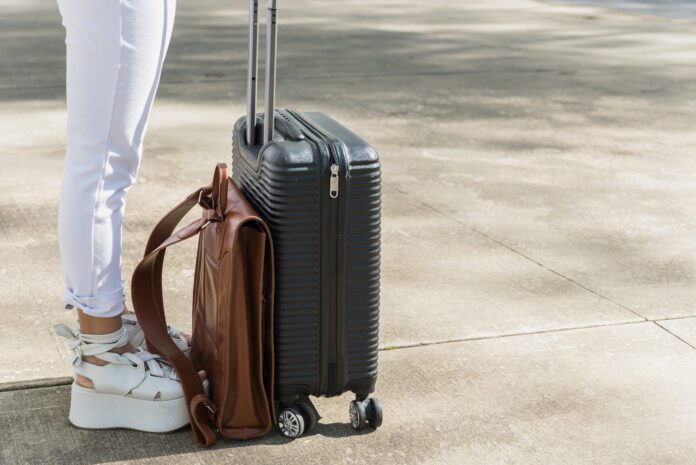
(271, 46)
(253, 70)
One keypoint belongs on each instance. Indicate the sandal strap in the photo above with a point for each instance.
(138, 336)
(156, 364)
(97, 345)
(134, 378)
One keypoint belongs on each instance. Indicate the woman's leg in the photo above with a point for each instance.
(115, 52)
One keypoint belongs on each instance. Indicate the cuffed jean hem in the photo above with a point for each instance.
(102, 306)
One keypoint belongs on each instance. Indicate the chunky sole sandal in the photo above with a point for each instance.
(139, 391)
(93, 410)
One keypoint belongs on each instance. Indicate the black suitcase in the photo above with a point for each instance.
(317, 185)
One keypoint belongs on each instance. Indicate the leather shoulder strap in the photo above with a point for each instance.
(146, 289)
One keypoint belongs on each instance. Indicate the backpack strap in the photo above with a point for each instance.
(146, 289)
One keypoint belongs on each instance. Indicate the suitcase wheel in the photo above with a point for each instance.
(291, 422)
(374, 412)
(364, 412)
(310, 413)
(358, 416)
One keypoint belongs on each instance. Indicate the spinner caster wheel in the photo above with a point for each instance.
(374, 412)
(311, 416)
(291, 422)
(358, 416)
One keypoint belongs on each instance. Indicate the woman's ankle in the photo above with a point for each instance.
(98, 325)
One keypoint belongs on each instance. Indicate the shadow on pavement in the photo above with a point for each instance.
(347, 55)
(34, 425)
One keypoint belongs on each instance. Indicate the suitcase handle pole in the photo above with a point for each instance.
(252, 71)
(271, 45)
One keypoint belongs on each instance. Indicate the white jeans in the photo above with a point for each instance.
(115, 52)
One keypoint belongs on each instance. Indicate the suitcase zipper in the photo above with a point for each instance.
(336, 352)
(333, 182)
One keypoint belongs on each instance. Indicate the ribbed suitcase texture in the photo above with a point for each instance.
(327, 251)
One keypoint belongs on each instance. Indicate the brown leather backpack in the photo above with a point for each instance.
(232, 311)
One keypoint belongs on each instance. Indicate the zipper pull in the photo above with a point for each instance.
(333, 182)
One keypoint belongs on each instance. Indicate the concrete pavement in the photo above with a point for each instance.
(614, 395)
(538, 230)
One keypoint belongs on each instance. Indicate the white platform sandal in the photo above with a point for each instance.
(139, 391)
(137, 337)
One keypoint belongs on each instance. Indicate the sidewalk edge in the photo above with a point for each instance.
(35, 383)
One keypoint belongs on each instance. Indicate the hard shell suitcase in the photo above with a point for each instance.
(317, 185)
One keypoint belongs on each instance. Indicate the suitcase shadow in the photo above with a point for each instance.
(337, 430)
(329, 430)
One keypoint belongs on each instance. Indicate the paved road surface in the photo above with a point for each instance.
(539, 245)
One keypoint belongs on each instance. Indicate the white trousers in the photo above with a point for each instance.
(115, 51)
